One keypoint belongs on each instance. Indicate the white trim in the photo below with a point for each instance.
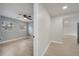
(57, 42)
(15, 39)
(45, 50)
(70, 35)
(48, 46)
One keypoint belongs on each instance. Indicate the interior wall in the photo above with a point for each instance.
(29, 28)
(0, 28)
(70, 24)
(19, 29)
(57, 29)
(43, 28)
(70, 29)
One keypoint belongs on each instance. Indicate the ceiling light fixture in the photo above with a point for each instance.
(25, 18)
(64, 7)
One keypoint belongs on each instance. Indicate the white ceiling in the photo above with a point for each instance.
(55, 9)
(74, 19)
(13, 9)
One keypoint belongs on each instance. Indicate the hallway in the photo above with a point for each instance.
(68, 48)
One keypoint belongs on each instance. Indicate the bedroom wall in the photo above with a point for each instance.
(19, 29)
(70, 29)
(57, 29)
(43, 29)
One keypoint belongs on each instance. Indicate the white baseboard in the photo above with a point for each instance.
(14, 39)
(48, 46)
(57, 42)
(71, 35)
(45, 49)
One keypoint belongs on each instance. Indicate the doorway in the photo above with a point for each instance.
(16, 29)
(70, 30)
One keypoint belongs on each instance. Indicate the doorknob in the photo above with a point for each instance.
(33, 36)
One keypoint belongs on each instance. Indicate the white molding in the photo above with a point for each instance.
(57, 42)
(14, 39)
(48, 46)
(70, 35)
(45, 50)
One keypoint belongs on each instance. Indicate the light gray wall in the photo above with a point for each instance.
(70, 29)
(57, 29)
(30, 28)
(43, 29)
(15, 31)
(0, 28)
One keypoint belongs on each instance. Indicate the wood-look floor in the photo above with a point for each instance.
(23, 47)
(68, 48)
